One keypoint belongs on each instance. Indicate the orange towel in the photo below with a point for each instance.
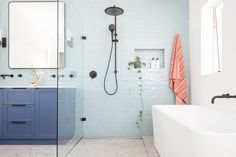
(177, 73)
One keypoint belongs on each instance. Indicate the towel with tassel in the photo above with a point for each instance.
(177, 73)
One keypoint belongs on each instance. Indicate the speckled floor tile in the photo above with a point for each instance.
(111, 147)
(115, 148)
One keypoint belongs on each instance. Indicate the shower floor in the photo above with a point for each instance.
(110, 147)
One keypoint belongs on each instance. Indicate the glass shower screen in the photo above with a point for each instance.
(70, 79)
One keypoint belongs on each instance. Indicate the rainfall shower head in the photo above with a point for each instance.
(114, 11)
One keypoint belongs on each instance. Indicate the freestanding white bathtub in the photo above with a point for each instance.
(194, 131)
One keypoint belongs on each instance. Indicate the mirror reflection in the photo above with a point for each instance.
(33, 33)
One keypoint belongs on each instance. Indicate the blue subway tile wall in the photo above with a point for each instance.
(150, 24)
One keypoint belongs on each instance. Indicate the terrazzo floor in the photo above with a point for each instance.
(115, 148)
(110, 147)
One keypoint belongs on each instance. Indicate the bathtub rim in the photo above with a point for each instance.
(159, 108)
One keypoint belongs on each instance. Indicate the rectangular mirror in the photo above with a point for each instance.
(36, 34)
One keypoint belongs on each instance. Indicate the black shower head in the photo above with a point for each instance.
(114, 11)
(112, 27)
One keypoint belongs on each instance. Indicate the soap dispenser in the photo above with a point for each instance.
(158, 65)
(153, 63)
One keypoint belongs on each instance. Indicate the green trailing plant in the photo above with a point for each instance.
(137, 64)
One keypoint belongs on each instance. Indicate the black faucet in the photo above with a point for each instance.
(227, 96)
(6, 75)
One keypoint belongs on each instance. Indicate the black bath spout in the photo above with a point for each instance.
(227, 96)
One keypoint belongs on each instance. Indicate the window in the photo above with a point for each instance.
(211, 37)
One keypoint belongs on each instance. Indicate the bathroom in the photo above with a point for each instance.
(97, 78)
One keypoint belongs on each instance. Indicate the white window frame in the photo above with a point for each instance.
(211, 37)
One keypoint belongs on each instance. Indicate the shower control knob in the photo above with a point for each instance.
(93, 74)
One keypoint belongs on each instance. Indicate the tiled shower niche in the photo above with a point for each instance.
(147, 55)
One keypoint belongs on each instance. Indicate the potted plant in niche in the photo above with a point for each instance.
(136, 64)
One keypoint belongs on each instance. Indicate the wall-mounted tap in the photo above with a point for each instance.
(53, 75)
(20, 75)
(6, 75)
(227, 96)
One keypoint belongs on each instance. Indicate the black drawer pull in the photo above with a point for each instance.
(18, 105)
(23, 122)
(18, 88)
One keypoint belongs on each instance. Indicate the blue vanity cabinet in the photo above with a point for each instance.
(28, 114)
(19, 113)
(1, 113)
(46, 115)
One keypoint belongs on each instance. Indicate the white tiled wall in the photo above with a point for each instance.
(150, 24)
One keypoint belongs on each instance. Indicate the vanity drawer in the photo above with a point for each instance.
(19, 96)
(19, 112)
(19, 130)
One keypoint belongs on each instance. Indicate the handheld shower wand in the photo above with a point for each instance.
(112, 28)
(113, 11)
